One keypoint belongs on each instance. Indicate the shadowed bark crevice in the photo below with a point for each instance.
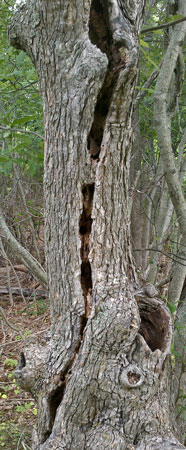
(54, 401)
(99, 31)
(22, 361)
(100, 35)
(85, 224)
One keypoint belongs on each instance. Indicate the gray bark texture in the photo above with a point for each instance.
(102, 376)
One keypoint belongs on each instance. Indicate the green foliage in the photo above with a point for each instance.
(171, 17)
(143, 43)
(152, 48)
(10, 362)
(37, 308)
(172, 307)
(9, 432)
(25, 407)
(21, 410)
(181, 408)
(20, 107)
(11, 435)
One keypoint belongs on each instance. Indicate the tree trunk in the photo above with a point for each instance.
(101, 376)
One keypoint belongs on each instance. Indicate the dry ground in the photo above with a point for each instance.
(30, 315)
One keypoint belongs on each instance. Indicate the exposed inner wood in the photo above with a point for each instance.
(85, 224)
(101, 36)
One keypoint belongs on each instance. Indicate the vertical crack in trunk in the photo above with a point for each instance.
(85, 224)
(100, 35)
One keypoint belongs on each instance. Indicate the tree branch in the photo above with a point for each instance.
(11, 325)
(28, 260)
(17, 130)
(145, 86)
(164, 25)
(172, 256)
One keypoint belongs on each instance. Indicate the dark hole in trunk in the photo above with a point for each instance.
(154, 327)
(21, 361)
(86, 277)
(85, 224)
(55, 401)
(100, 35)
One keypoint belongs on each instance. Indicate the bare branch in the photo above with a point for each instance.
(11, 325)
(164, 25)
(146, 86)
(172, 256)
(17, 130)
(163, 282)
(28, 260)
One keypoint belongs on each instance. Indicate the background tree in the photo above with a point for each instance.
(159, 230)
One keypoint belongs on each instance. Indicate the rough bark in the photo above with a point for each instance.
(101, 377)
(179, 379)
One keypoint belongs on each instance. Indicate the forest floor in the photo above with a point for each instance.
(27, 311)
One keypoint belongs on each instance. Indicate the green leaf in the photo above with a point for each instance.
(23, 120)
(179, 325)
(33, 168)
(172, 307)
(10, 375)
(3, 159)
(20, 58)
(27, 405)
(143, 43)
(157, 32)
(10, 362)
(20, 409)
(171, 18)
(6, 134)
(149, 58)
(17, 391)
(7, 167)
(17, 73)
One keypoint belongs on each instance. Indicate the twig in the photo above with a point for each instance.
(163, 282)
(24, 292)
(18, 176)
(17, 130)
(4, 338)
(13, 342)
(25, 446)
(20, 287)
(133, 191)
(146, 86)
(164, 25)
(163, 253)
(11, 325)
(7, 272)
(28, 260)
